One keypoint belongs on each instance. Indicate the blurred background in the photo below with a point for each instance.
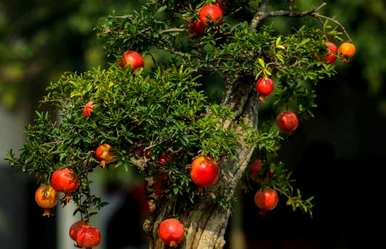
(337, 156)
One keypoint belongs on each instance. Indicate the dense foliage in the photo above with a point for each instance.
(165, 108)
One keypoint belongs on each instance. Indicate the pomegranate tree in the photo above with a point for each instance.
(192, 144)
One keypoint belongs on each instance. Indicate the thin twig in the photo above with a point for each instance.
(152, 145)
(334, 21)
(120, 17)
(187, 55)
(237, 10)
(172, 30)
(261, 15)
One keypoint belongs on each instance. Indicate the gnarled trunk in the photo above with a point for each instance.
(205, 228)
(205, 224)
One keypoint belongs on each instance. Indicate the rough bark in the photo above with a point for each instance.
(205, 224)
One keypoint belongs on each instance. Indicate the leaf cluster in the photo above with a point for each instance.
(162, 112)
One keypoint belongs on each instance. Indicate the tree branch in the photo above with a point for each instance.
(259, 15)
(262, 14)
(172, 30)
(179, 53)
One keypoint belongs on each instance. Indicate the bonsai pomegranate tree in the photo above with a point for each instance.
(148, 110)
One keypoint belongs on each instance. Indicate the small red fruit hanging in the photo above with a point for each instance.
(347, 50)
(266, 199)
(88, 109)
(171, 232)
(88, 236)
(164, 159)
(264, 86)
(131, 59)
(255, 168)
(75, 228)
(197, 28)
(46, 198)
(104, 154)
(204, 171)
(159, 185)
(211, 13)
(288, 122)
(331, 52)
(65, 180)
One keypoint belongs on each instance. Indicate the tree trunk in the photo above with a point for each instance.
(205, 224)
(205, 228)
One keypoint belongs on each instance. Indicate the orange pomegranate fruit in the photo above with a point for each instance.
(46, 197)
(347, 50)
(104, 154)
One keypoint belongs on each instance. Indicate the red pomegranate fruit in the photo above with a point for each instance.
(288, 122)
(204, 171)
(331, 52)
(65, 180)
(197, 28)
(255, 168)
(264, 86)
(211, 13)
(164, 159)
(74, 229)
(171, 232)
(266, 199)
(88, 236)
(131, 59)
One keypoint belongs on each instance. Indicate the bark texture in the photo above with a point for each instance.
(206, 223)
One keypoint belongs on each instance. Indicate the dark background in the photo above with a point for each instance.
(337, 156)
